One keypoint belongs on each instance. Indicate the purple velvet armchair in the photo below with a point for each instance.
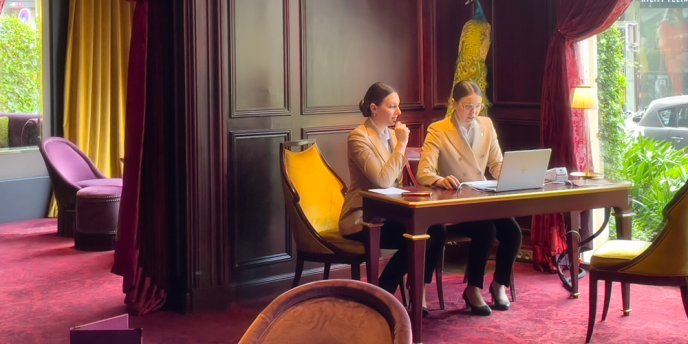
(70, 170)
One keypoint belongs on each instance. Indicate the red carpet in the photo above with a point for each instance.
(48, 286)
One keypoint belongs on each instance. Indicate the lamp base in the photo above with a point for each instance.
(587, 175)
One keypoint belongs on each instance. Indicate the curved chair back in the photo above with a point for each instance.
(66, 163)
(332, 311)
(668, 253)
(412, 159)
(315, 194)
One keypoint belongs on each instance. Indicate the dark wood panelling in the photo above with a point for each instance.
(259, 228)
(348, 45)
(417, 133)
(322, 56)
(518, 127)
(519, 48)
(200, 261)
(515, 134)
(447, 18)
(332, 142)
(260, 47)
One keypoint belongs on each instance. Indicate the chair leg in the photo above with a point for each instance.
(684, 296)
(592, 310)
(299, 270)
(439, 271)
(512, 287)
(626, 298)
(326, 271)
(607, 298)
(402, 291)
(356, 271)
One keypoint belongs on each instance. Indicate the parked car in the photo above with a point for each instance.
(666, 119)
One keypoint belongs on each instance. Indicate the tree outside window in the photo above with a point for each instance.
(20, 73)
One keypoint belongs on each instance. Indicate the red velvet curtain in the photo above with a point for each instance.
(147, 208)
(563, 130)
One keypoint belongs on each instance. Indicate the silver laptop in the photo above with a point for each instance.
(523, 169)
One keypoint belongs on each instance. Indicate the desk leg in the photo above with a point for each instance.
(372, 230)
(624, 221)
(572, 239)
(415, 274)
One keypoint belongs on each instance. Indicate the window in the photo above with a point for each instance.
(656, 50)
(20, 73)
(666, 116)
(642, 78)
(682, 121)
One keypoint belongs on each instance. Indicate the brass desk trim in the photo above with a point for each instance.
(417, 237)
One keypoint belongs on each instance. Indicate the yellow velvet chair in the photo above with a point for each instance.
(334, 311)
(314, 195)
(662, 262)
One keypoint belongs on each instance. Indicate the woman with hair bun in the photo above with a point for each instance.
(376, 159)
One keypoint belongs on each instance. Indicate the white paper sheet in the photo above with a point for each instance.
(389, 191)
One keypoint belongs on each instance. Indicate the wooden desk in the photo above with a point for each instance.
(466, 204)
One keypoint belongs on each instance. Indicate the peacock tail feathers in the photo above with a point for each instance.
(474, 45)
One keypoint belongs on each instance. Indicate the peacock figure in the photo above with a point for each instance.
(473, 47)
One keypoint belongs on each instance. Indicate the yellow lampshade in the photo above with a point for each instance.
(583, 97)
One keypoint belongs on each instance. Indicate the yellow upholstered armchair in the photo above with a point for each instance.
(334, 311)
(314, 195)
(663, 261)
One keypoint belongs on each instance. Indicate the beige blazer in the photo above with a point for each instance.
(446, 152)
(371, 165)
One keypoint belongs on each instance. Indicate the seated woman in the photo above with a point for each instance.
(459, 148)
(376, 158)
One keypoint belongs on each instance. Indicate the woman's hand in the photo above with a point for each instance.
(449, 182)
(402, 134)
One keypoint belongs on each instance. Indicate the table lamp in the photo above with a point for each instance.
(584, 98)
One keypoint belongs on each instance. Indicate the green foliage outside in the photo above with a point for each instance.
(611, 84)
(19, 67)
(655, 168)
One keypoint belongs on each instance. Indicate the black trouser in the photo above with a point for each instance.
(483, 234)
(391, 237)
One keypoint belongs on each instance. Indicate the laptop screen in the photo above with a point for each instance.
(523, 169)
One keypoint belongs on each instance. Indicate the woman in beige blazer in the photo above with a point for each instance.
(461, 148)
(376, 159)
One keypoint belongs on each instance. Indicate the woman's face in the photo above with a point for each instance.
(386, 114)
(467, 109)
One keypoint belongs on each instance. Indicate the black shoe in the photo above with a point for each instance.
(426, 312)
(499, 304)
(481, 310)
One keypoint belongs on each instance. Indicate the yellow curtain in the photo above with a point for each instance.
(96, 69)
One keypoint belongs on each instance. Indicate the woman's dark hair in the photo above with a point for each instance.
(376, 93)
(466, 88)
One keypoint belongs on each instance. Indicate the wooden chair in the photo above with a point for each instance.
(453, 239)
(314, 195)
(662, 262)
(324, 311)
